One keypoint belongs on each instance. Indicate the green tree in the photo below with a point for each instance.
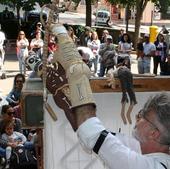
(163, 6)
(26, 5)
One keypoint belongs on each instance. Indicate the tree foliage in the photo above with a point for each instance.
(26, 5)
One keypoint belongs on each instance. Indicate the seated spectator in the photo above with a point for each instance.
(14, 96)
(14, 139)
(166, 67)
(85, 36)
(71, 33)
(7, 113)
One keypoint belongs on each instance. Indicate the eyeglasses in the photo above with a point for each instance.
(19, 81)
(142, 115)
(21, 34)
(9, 128)
(11, 113)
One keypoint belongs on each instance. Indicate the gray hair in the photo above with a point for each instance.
(160, 105)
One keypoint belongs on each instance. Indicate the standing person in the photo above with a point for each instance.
(164, 30)
(166, 67)
(85, 36)
(124, 50)
(140, 54)
(22, 51)
(121, 35)
(38, 27)
(36, 44)
(2, 56)
(160, 53)
(104, 35)
(94, 45)
(149, 51)
(13, 97)
(107, 54)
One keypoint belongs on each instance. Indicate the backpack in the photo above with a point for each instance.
(22, 158)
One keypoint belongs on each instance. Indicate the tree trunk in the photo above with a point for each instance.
(18, 12)
(140, 6)
(137, 27)
(18, 16)
(88, 13)
(127, 17)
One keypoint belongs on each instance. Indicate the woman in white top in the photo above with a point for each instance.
(124, 50)
(94, 45)
(36, 44)
(22, 51)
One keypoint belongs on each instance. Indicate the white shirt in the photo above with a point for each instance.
(36, 42)
(125, 49)
(2, 38)
(16, 136)
(87, 52)
(148, 48)
(119, 152)
(94, 45)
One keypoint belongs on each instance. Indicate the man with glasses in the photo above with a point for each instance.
(8, 114)
(148, 149)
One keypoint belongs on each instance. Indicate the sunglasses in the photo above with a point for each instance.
(21, 34)
(11, 113)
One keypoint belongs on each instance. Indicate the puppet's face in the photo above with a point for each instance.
(32, 60)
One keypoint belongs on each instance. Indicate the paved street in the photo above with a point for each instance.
(11, 66)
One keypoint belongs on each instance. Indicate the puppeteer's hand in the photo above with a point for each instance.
(57, 85)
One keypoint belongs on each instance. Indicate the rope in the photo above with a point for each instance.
(44, 68)
(45, 48)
